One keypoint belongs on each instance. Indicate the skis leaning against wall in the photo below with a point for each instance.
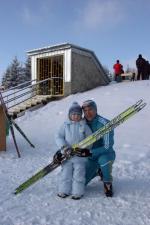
(12, 123)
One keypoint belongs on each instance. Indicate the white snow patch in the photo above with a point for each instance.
(39, 205)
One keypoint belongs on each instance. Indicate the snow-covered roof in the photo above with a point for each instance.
(57, 47)
(65, 46)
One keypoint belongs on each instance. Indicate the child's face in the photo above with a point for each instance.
(75, 117)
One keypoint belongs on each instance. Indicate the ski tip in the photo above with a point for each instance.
(139, 101)
(142, 106)
(32, 146)
(16, 192)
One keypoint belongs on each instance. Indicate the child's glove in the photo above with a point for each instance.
(58, 156)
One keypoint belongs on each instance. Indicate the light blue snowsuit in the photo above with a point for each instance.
(72, 177)
(103, 154)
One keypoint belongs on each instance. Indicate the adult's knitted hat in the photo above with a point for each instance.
(89, 103)
(75, 109)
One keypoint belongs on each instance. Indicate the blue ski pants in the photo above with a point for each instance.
(104, 162)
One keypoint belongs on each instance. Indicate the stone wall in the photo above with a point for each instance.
(85, 74)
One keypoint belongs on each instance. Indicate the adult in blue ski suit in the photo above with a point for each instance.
(103, 154)
(72, 177)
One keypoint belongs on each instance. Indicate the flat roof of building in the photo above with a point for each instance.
(64, 46)
(51, 48)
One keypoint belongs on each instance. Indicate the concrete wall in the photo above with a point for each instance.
(85, 74)
(67, 88)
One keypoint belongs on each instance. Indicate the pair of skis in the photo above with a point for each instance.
(12, 123)
(125, 115)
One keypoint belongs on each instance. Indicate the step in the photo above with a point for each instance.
(28, 104)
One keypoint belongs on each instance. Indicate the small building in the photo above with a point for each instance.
(71, 68)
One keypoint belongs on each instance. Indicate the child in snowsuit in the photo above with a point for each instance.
(72, 177)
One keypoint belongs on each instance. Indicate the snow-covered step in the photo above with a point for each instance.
(23, 106)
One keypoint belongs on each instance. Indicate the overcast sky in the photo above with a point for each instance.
(113, 29)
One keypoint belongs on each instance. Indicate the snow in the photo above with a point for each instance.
(39, 204)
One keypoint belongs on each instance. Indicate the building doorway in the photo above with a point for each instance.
(50, 67)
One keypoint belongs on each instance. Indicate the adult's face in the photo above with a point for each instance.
(89, 113)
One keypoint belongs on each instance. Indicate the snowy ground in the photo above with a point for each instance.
(39, 205)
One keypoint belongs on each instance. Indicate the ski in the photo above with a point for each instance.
(21, 132)
(11, 122)
(122, 117)
(112, 124)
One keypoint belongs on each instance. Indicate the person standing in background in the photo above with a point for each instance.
(118, 70)
(141, 65)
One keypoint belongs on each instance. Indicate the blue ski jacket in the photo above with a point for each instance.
(105, 144)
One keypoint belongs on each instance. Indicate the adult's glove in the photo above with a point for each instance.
(82, 152)
(68, 152)
(58, 156)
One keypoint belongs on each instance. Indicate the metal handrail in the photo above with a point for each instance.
(57, 77)
(29, 91)
(19, 96)
(33, 89)
(19, 85)
(39, 82)
(20, 102)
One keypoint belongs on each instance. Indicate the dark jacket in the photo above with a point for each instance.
(140, 63)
